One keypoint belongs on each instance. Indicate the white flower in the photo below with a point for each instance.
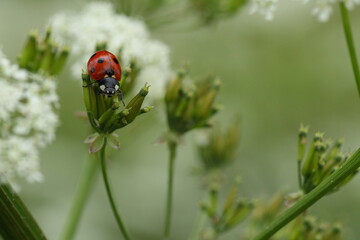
(324, 8)
(28, 119)
(98, 22)
(350, 4)
(264, 7)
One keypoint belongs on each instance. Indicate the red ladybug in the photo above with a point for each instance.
(104, 68)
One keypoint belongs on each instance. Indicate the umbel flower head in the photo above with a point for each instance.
(217, 147)
(190, 107)
(320, 160)
(107, 113)
(28, 107)
(224, 218)
(303, 227)
(127, 37)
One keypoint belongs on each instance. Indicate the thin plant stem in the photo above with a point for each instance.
(299, 173)
(16, 221)
(350, 43)
(109, 193)
(198, 226)
(348, 168)
(169, 198)
(84, 188)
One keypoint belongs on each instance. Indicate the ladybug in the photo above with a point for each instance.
(104, 68)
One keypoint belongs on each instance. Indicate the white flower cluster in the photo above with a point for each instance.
(28, 119)
(322, 8)
(98, 22)
(264, 7)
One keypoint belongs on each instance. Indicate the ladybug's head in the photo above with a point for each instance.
(109, 86)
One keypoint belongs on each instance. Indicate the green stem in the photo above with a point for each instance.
(16, 222)
(299, 174)
(109, 193)
(350, 43)
(172, 148)
(349, 167)
(198, 226)
(84, 187)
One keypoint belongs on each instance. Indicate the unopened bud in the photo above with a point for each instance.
(28, 55)
(173, 88)
(135, 104)
(59, 61)
(146, 109)
(206, 100)
(303, 132)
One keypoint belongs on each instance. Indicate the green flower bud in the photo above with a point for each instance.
(173, 87)
(135, 104)
(47, 59)
(310, 160)
(217, 148)
(146, 109)
(302, 140)
(130, 75)
(240, 212)
(206, 99)
(29, 52)
(59, 61)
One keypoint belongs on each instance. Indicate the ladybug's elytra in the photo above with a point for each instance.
(104, 68)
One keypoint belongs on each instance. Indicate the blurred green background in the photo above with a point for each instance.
(276, 75)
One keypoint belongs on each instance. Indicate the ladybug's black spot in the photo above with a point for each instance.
(92, 70)
(93, 55)
(100, 60)
(116, 61)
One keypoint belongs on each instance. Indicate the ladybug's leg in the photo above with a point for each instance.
(121, 97)
(89, 84)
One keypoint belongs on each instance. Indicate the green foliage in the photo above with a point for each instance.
(213, 10)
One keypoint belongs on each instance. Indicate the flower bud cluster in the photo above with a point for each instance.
(217, 148)
(28, 107)
(311, 228)
(107, 114)
(190, 107)
(321, 159)
(303, 227)
(43, 55)
(224, 218)
(212, 10)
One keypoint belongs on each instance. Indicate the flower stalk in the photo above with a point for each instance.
(84, 188)
(106, 114)
(172, 145)
(350, 43)
(109, 193)
(187, 108)
(326, 186)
